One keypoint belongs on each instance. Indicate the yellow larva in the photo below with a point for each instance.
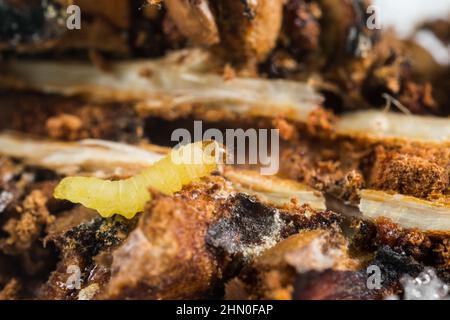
(128, 197)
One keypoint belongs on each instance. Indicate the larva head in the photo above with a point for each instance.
(205, 153)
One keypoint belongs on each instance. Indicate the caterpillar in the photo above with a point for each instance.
(128, 197)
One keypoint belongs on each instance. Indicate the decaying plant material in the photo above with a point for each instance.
(180, 79)
(195, 20)
(227, 226)
(407, 212)
(364, 177)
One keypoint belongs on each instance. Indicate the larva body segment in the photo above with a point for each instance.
(128, 197)
(107, 197)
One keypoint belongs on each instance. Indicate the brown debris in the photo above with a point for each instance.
(11, 290)
(418, 98)
(116, 12)
(301, 26)
(272, 275)
(343, 166)
(26, 229)
(83, 242)
(194, 20)
(68, 119)
(287, 130)
(427, 248)
(100, 20)
(248, 31)
(228, 72)
(323, 169)
(172, 36)
(334, 285)
(64, 127)
(166, 257)
(186, 246)
(419, 175)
